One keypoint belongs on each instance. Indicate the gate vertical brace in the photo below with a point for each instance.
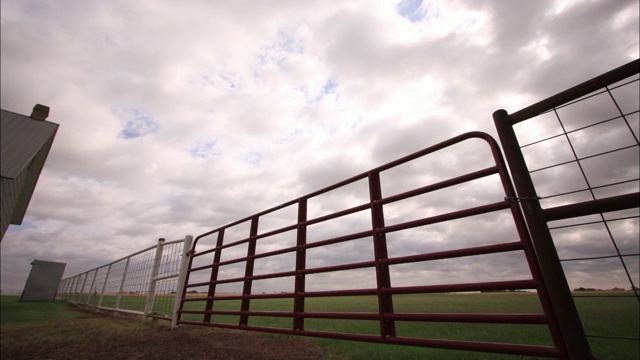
(529, 251)
(214, 276)
(155, 270)
(104, 285)
(182, 275)
(383, 279)
(301, 240)
(246, 289)
(182, 291)
(564, 308)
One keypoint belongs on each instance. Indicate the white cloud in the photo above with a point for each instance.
(180, 119)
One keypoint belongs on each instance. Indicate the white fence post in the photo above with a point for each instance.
(93, 282)
(169, 263)
(186, 250)
(72, 288)
(151, 293)
(104, 286)
(124, 277)
(67, 289)
(60, 293)
(84, 282)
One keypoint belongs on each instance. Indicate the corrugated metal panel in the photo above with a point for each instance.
(43, 281)
(24, 147)
(20, 140)
(10, 190)
(32, 175)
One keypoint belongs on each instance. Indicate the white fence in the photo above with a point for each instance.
(142, 283)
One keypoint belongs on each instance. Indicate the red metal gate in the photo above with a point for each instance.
(223, 258)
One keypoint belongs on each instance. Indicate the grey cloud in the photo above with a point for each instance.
(249, 75)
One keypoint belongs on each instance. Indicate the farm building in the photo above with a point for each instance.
(25, 142)
(43, 281)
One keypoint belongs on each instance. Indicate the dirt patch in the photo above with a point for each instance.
(101, 337)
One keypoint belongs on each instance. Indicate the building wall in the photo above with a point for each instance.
(10, 190)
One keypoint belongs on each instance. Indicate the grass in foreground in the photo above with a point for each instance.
(601, 316)
(16, 312)
(53, 330)
(605, 316)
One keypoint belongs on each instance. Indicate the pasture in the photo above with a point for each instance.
(57, 330)
(602, 314)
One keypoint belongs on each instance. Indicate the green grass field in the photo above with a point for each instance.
(603, 316)
(15, 312)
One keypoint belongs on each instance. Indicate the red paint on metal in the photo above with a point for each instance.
(384, 290)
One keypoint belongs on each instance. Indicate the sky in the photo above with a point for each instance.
(176, 119)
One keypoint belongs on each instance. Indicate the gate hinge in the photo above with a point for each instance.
(513, 199)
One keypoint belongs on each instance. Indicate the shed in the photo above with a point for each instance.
(25, 142)
(43, 281)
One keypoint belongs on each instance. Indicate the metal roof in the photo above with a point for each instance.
(24, 145)
(21, 138)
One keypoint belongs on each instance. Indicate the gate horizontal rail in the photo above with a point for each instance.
(209, 275)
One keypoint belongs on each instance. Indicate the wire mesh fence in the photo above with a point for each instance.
(591, 153)
(144, 282)
(580, 153)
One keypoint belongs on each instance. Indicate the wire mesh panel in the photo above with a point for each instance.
(575, 162)
(166, 285)
(136, 282)
(144, 282)
(369, 258)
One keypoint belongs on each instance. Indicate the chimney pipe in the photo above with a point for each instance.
(40, 112)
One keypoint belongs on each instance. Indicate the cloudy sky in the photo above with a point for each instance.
(177, 119)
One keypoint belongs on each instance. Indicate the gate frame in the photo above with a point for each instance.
(537, 218)
(384, 291)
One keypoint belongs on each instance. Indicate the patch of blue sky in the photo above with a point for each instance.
(139, 124)
(26, 224)
(232, 81)
(212, 76)
(329, 88)
(412, 10)
(205, 149)
(356, 123)
(288, 42)
(254, 158)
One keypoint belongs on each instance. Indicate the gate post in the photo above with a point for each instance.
(155, 269)
(184, 266)
(564, 309)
